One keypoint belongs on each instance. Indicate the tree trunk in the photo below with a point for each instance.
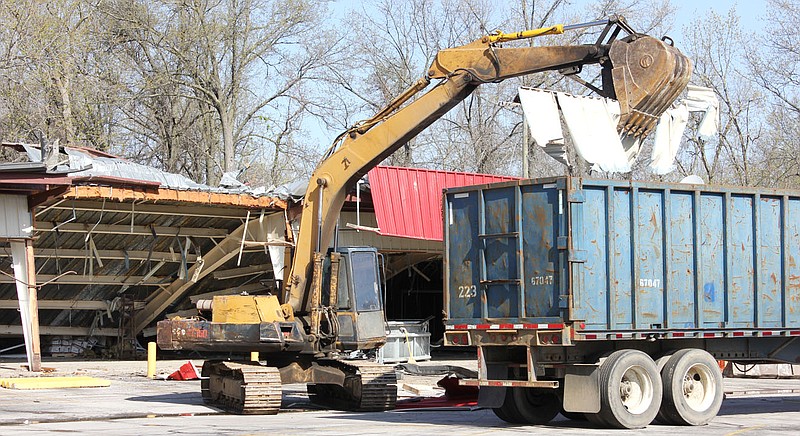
(227, 139)
(62, 85)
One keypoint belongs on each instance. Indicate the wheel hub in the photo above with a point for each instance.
(688, 385)
(625, 389)
(634, 389)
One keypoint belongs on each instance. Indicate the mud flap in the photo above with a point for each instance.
(492, 397)
(582, 389)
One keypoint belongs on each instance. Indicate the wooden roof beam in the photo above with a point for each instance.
(60, 304)
(16, 330)
(121, 229)
(107, 280)
(70, 253)
(149, 209)
(243, 271)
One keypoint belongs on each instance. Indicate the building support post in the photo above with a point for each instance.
(25, 275)
(33, 307)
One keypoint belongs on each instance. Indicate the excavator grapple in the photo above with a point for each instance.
(647, 75)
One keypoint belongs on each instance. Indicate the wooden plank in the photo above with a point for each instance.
(152, 209)
(122, 229)
(242, 272)
(36, 363)
(157, 256)
(105, 280)
(122, 194)
(59, 305)
(16, 330)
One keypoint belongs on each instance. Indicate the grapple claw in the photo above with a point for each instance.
(647, 76)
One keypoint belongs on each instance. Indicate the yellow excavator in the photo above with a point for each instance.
(331, 304)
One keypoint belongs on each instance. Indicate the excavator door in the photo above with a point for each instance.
(359, 303)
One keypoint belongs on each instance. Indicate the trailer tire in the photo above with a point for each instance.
(536, 406)
(508, 412)
(692, 384)
(630, 389)
(597, 419)
(660, 363)
(573, 416)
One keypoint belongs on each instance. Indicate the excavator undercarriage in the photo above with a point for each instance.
(367, 387)
(252, 388)
(241, 388)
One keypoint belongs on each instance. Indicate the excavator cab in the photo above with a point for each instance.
(359, 304)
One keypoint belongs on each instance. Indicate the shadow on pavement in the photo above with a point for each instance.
(462, 416)
(771, 404)
(190, 398)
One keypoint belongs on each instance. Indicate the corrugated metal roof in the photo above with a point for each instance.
(81, 164)
(408, 201)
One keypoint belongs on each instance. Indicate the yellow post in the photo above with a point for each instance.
(151, 359)
(254, 356)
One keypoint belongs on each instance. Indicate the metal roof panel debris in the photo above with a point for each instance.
(89, 165)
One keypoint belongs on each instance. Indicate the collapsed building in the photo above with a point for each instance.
(95, 249)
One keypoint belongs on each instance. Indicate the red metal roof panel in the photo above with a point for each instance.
(408, 201)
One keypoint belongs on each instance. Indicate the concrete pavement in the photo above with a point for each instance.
(134, 404)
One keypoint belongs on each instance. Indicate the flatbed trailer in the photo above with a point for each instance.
(613, 301)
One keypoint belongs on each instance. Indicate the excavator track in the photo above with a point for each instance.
(368, 387)
(241, 387)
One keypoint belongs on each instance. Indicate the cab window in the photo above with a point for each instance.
(343, 291)
(365, 281)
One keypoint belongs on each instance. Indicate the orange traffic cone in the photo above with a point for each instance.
(187, 371)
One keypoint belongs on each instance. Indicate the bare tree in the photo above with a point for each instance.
(481, 134)
(718, 50)
(51, 75)
(242, 60)
(776, 69)
(202, 87)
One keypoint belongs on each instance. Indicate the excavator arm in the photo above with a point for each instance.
(645, 74)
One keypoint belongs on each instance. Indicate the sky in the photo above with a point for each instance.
(749, 11)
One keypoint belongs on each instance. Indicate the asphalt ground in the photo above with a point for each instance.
(134, 404)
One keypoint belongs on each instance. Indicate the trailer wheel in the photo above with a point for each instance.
(574, 416)
(630, 389)
(661, 362)
(597, 419)
(692, 384)
(536, 406)
(508, 412)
